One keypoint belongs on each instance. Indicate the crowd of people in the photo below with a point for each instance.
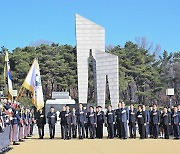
(16, 123)
(122, 122)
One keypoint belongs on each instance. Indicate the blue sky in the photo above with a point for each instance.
(26, 21)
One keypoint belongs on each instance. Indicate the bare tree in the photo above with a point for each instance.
(143, 43)
(39, 42)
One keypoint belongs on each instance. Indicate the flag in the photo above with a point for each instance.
(8, 78)
(33, 84)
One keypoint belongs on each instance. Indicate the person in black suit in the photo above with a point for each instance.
(170, 126)
(74, 123)
(81, 117)
(110, 115)
(166, 121)
(40, 121)
(86, 122)
(91, 115)
(100, 121)
(155, 118)
(147, 121)
(68, 121)
(150, 122)
(176, 123)
(179, 117)
(52, 119)
(62, 122)
(119, 120)
(141, 119)
(125, 120)
(132, 121)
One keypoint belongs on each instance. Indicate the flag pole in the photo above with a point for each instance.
(19, 93)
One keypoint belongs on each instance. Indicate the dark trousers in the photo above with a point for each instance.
(176, 130)
(81, 129)
(41, 131)
(68, 131)
(132, 129)
(92, 130)
(52, 130)
(119, 129)
(63, 131)
(170, 130)
(146, 130)
(141, 131)
(74, 130)
(166, 131)
(155, 130)
(110, 130)
(124, 130)
(151, 129)
(115, 130)
(86, 129)
(99, 130)
(31, 128)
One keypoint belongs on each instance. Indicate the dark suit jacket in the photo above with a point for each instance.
(73, 118)
(68, 119)
(110, 117)
(100, 117)
(132, 116)
(52, 118)
(118, 115)
(165, 119)
(141, 117)
(91, 117)
(81, 116)
(175, 118)
(41, 119)
(62, 117)
(155, 117)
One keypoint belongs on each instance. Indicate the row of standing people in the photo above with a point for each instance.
(121, 122)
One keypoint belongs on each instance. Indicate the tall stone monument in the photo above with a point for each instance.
(91, 37)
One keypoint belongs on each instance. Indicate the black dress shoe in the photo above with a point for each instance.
(15, 143)
(20, 140)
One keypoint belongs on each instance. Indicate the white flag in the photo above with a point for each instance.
(33, 84)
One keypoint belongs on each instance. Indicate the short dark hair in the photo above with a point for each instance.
(91, 106)
(109, 105)
(140, 106)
